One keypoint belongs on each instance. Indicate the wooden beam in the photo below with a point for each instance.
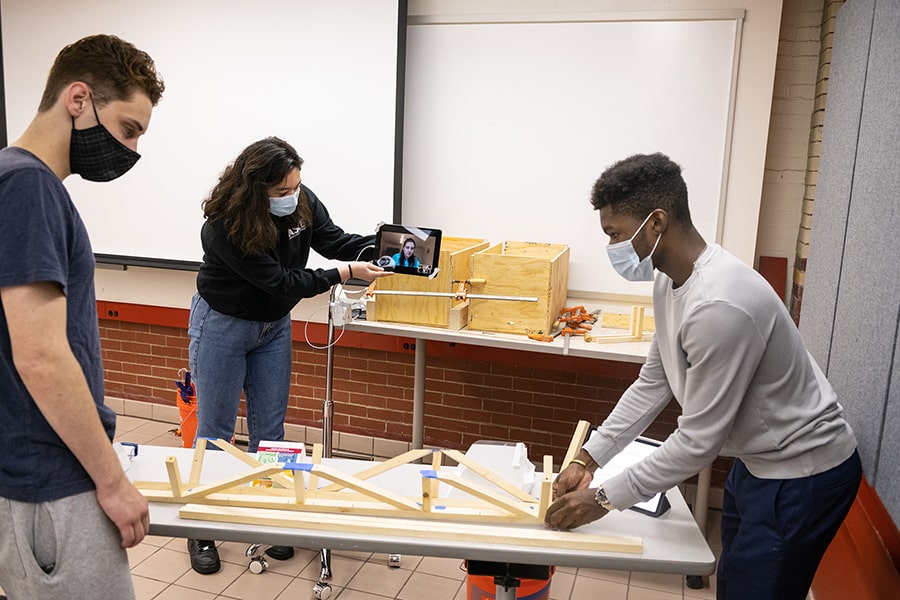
(526, 535)
(504, 484)
(378, 469)
(546, 487)
(364, 487)
(489, 496)
(174, 478)
(203, 490)
(197, 462)
(581, 432)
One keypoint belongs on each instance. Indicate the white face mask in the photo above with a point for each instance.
(282, 207)
(625, 260)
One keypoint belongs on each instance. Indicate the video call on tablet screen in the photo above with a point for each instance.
(408, 250)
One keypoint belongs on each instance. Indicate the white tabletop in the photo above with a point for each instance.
(633, 352)
(672, 543)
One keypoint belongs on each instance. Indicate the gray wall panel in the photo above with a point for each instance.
(867, 304)
(851, 311)
(840, 133)
(881, 133)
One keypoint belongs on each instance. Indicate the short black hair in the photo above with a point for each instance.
(641, 183)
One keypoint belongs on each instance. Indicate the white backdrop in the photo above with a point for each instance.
(508, 124)
(322, 75)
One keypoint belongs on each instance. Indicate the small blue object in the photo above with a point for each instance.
(132, 445)
(297, 466)
(429, 473)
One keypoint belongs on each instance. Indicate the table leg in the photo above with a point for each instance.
(701, 502)
(418, 427)
(701, 510)
(505, 593)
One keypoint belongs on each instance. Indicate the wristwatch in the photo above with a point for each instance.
(601, 499)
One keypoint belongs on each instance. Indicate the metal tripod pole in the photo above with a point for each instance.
(327, 416)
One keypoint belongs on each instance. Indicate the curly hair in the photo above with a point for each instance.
(640, 183)
(241, 197)
(113, 68)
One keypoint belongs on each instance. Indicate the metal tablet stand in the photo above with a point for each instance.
(322, 588)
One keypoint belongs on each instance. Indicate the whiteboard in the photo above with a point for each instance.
(509, 123)
(321, 75)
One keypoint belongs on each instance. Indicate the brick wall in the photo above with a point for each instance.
(791, 159)
(472, 393)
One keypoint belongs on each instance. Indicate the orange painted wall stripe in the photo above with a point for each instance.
(862, 561)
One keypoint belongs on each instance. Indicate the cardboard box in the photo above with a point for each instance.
(519, 269)
(434, 311)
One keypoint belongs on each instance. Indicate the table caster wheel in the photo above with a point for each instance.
(322, 591)
(695, 582)
(394, 561)
(258, 565)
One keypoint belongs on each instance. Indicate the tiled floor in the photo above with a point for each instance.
(162, 571)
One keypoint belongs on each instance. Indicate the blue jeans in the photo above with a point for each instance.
(775, 531)
(228, 355)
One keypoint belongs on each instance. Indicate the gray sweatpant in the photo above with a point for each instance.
(67, 548)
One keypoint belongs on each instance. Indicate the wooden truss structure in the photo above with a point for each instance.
(317, 496)
(637, 327)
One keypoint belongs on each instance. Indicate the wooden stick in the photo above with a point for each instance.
(197, 464)
(400, 459)
(637, 320)
(436, 460)
(535, 535)
(429, 491)
(174, 477)
(617, 339)
(489, 496)
(203, 490)
(546, 486)
(504, 484)
(581, 431)
(299, 486)
(278, 478)
(467, 509)
(313, 486)
(364, 487)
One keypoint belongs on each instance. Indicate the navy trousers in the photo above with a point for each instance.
(775, 531)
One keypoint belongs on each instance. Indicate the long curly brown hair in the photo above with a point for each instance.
(241, 197)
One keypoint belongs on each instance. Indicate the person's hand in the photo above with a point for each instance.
(574, 509)
(368, 271)
(573, 477)
(127, 509)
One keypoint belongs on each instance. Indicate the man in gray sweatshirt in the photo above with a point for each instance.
(727, 350)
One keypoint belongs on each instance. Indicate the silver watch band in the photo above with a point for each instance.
(601, 499)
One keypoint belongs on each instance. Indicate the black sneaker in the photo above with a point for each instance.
(280, 552)
(204, 556)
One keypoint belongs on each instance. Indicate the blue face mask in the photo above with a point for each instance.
(625, 259)
(284, 206)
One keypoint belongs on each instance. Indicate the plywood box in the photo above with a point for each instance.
(521, 269)
(435, 311)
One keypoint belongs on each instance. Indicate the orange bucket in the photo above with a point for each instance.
(188, 414)
(482, 587)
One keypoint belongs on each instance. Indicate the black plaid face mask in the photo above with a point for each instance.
(98, 156)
